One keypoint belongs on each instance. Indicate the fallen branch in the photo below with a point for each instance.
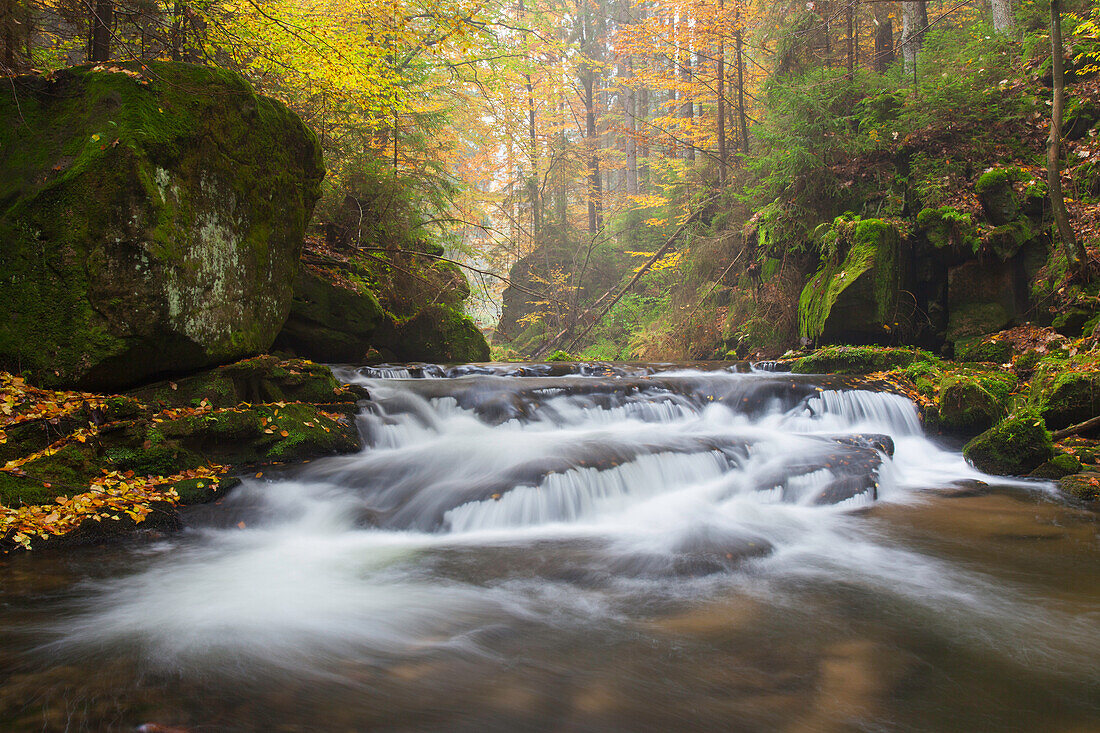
(1076, 429)
(625, 289)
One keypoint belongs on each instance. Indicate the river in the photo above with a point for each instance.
(582, 548)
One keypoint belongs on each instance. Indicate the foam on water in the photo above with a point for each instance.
(669, 481)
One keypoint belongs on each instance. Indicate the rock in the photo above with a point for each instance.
(258, 380)
(857, 360)
(1083, 486)
(330, 320)
(858, 300)
(985, 349)
(948, 228)
(1066, 391)
(436, 334)
(982, 298)
(1080, 116)
(261, 434)
(998, 198)
(1014, 447)
(1008, 239)
(152, 219)
(970, 402)
(1057, 467)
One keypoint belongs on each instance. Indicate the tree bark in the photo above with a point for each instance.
(884, 38)
(1004, 20)
(102, 20)
(739, 40)
(630, 109)
(914, 22)
(1074, 251)
(720, 63)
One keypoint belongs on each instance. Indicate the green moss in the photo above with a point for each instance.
(998, 198)
(1066, 390)
(1016, 446)
(560, 355)
(149, 219)
(858, 295)
(970, 401)
(947, 227)
(979, 348)
(1007, 239)
(857, 360)
(1083, 486)
(1058, 467)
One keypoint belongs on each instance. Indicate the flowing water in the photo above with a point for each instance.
(582, 548)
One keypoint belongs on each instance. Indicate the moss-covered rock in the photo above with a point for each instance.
(980, 348)
(152, 219)
(437, 334)
(1066, 390)
(1084, 486)
(982, 298)
(970, 401)
(1008, 239)
(947, 227)
(857, 360)
(257, 380)
(998, 198)
(1080, 116)
(858, 298)
(1058, 467)
(331, 318)
(260, 434)
(1014, 447)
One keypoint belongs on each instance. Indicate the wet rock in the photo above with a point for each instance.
(1066, 391)
(1057, 467)
(153, 218)
(1083, 486)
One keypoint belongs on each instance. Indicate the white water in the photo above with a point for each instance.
(605, 496)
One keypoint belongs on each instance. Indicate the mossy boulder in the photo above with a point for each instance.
(440, 333)
(948, 228)
(982, 298)
(1060, 466)
(1080, 116)
(261, 434)
(858, 299)
(1066, 391)
(331, 318)
(1016, 446)
(1084, 486)
(152, 219)
(857, 360)
(998, 198)
(257, 380)
(1007, 240)
(970, 401)
(984, 348)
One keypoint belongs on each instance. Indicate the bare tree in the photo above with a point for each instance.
(884, 37)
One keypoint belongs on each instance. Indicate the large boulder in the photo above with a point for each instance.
(151, 218)
(859, 299)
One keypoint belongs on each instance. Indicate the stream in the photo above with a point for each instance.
(582, 547)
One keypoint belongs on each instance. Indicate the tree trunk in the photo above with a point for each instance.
(914, 23)
(720, 63)
(884, 38)
(102, 22)
(1004, 20)
(630, 107)
(850, 17)
(739, 39)
(595, 187)
(687, 108)
(1074, 252)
